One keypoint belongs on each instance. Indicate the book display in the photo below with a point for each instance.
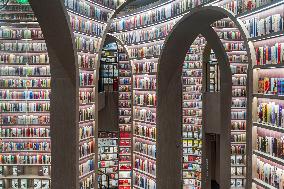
(237, 55)
(108, 158)
(25, 106)
(125, 120)
(157, 32)
(109, 68)
(89, 20)
(192, 115)
(264, 28)
(130, 157)
(144, 119)
(268, 116)
(145, 42)
(154, 15)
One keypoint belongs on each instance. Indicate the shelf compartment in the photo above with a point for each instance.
(269, 157)
(262, 184)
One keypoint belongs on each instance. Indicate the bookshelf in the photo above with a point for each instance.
(192, 114)
(25, 100)
(125, 119)
(144, 119)
(108, 158)
(237, 54)
(147, 48)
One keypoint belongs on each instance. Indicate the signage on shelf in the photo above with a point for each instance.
(23, 1)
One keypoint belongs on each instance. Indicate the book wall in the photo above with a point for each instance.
(192, 115)
(164, 13)
(147, 50)
(265, 27)
(88, 9)
(25, 101)
(236, 51)
(267, 113)
(265, 23)
(242, 8)
(144, 123)
(108, 158)
(144, 67)
(109, 68)
(88, 20)
(125, 120)
(156, 32)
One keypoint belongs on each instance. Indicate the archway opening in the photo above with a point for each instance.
(169, 115)
(115, 116)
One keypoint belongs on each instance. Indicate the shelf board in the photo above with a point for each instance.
(24, 138)
(81, 33)
(191, 162)
(189, 154)
(231, 40)
(86, 121)
(195, 108)
(191, 116)
(238, 165)
(144, 155)
(26, 100)
(86, 139)
(144, 122)
(145, 138)
(238, 143)
(269, 157)
(279, 97)
(25, 177)
(146, 58)
(24, 112)
(270, 127)
(84, 158)
(186, 170)
(156, 40)
(238, 131)
(19, 164)
(124, 162)
(238, 108)
(144, 173)
(238, 177)
(123, 61)
(200, 77)
(86, 175)
(137, 187)
(263, 184)
(26, 152)
(192, 68)
(21, 52)
(2, 64)
(145, 74)
(268, 66)
(267, 36)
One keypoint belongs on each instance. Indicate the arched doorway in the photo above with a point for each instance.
(169, 113)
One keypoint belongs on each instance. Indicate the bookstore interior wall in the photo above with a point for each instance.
(51, 65)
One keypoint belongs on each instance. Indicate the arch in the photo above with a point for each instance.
(169, 89)
(65, 89)
(59, 38)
